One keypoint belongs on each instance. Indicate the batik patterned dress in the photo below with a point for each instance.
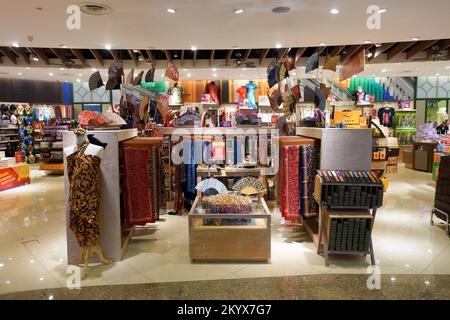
(84, 196)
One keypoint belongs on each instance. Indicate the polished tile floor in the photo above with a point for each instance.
(33, 245)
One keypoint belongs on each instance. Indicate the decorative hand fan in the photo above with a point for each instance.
(249, 186)
(211, 185)
(95, 81)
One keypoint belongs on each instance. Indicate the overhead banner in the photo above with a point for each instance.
(354, 65)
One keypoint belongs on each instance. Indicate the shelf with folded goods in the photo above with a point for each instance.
(8, 135)
(7, 141)
(9, 128)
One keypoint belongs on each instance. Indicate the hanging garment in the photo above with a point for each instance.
(137, 197)
(308, 167)
(386, 116)
(214, 91)
(176, 95)
(251, 97)
(290, 183)
(242, 92)
(84, 196)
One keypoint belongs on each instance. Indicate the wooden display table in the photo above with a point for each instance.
(230, 237)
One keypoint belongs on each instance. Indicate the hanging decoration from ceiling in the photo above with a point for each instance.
(115, 74)
(172, 71)
(95, 81)
(331, 63)
(312, 63)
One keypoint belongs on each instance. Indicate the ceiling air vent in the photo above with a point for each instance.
(95, 9)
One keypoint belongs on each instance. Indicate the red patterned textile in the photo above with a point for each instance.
(138, 204)
(292, 183)
(283, 182)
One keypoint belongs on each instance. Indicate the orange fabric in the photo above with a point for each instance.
(242, 92)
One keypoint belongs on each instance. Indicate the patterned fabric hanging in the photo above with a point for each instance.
(137, 197)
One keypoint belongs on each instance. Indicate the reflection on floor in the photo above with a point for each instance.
(33, 243)
(329, 286)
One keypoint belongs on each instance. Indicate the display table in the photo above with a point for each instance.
(230, 237)
(14, 176)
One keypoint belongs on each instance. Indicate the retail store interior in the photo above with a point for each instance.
(272, 139)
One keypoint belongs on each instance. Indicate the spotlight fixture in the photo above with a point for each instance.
(238, 11)
(415, 39)
(367, 42)
(322, 44)
(94, 69)
(34, 58)
(437, 74)
(61, 69)
(78, 80)
(80, 74)
(382, 10)
(194, 48)
(108, 46)
(215, 75)
(278, 46)
(171, 10)
(63, 46)
(15, 44)
(384, 70)
(136, 51)
(377, 45)
(369, 55)
(334, 11)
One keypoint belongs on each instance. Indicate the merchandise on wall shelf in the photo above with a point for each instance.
(51, 147)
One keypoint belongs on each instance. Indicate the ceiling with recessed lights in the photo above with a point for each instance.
(210, 24)
(238, 38)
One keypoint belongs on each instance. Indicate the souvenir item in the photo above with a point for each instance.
(95, 81)
(172, 71)
(211, 186)
(249, 186)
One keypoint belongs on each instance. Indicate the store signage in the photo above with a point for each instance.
(354, 65)
(16, 176)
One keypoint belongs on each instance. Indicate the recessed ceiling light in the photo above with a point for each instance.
(80, 74)
(63, 46)
(193, 48)
(238, 11)
(377, 45)
(334, 11)
(94, 69)
(393, 279)
(367, 42)
(20, 74)
(415, 39)
(7, 282)
(427, 282)
(447, 67)
(244, 69)
(171, 10)
(384, 70)
(215, 75)
(189, 75)
(369, 55)
(78, 80)
(41, 279)
(50, 298)
(214, 69)
(322, 44)
(281, 9)
(382, 10)
(437, 74)
(108, 46)
(35, 59)
(31, 261)
(15, 44)
(278, 46)
(51, 75)
(141, 58)
(136, 51)
(2, 265)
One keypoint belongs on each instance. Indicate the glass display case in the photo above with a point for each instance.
(230, 236)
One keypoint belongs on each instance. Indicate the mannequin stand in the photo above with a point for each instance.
(86, 253)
